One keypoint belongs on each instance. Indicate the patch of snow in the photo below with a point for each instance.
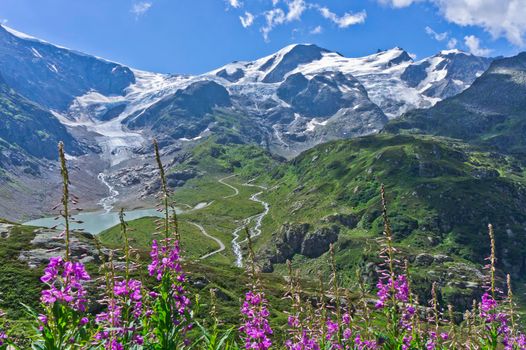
(193, 139)
(24, 36)
(20, 34)
(70, 157)
(52, 68)
(453, 51)
(433, 75)
(313, 123)
(36, 53)
(198, 137)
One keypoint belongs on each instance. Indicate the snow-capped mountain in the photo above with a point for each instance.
(445, 74)
(295, 98)
(287, 102)
(303, 94)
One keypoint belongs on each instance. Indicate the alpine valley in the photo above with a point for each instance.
(295, 146)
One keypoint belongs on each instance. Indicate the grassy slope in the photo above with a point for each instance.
(20, 284)
(441, 195)
(223, 212)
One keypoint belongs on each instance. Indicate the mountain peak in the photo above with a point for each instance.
(19, 35)
(391, 57)
(453, 52)
(288, 59)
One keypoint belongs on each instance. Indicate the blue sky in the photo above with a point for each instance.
(194, 36)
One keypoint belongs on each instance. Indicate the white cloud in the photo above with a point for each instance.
(235, 3)
(287, 11)
(273, 18)
(500, 18)
(397, 3)
(505, 18)
(435, 35)
(296, 9)
(277, 16)
(140, 8)
(473, 44)
(317, 30)
(348, 19)
(247, 20)
(451, 43)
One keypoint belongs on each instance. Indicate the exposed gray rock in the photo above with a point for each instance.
(295, 239)
(347, 220)
(424, 259)
(48, 243)
(288, 242)
(5, 230)
(318, 242)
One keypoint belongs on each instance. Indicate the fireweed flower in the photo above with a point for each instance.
(365, 344)
(3, 338)
(130, 293)
(3, 335)
(303, 336)
(64, 303)
(120, 323)
(170, 314)
(65, 280)
(388, 288)
(166, 261)
(255, 327)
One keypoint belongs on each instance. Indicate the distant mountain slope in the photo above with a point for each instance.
(441, 194)
(26, 125)
(304, 95)
(491, 112)
(393, 81)
(445, 74)
(52, 76)
(298, 97)
(286, 103)
(290, 116)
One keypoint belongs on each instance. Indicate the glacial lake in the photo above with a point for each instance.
(96, 222)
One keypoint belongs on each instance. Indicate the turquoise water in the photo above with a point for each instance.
(95, 222)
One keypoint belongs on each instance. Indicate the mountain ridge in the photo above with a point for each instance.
(285, 102)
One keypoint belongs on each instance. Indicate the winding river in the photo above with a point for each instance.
(258, 218)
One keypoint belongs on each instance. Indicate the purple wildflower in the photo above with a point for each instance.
(123, 308)
(397, 287)
(167, 258)
(365, 344)
(65, 280)
(256, 328)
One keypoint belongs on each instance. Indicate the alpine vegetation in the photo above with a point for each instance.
(140, 302)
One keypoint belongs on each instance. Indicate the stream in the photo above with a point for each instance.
(255, 231)
(108, 202)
